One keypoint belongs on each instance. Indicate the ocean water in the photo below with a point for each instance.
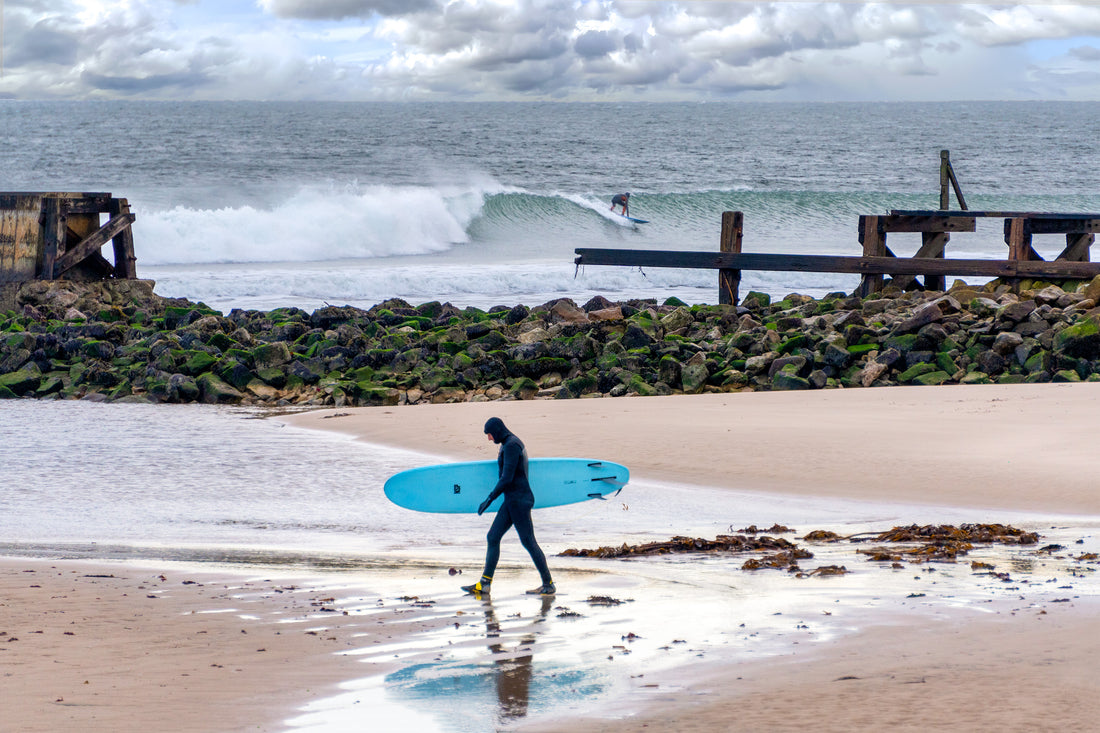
(259, 205)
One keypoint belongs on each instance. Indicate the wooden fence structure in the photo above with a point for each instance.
(49, 236)
(878, 260)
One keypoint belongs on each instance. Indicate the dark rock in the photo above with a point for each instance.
(926, 314)
(636, 338)
(516, 315)
(889, 357)
(597, 303)
(788, 380)
(991, 362)
(1016, 312)
(1080, 340)
(797, 363)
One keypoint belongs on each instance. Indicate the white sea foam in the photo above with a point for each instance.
(314, 225)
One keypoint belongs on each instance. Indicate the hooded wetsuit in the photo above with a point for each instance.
(518, 500)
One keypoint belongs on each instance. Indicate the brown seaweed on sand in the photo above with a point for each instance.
(787, 559)
(943, 542)
(721, 543)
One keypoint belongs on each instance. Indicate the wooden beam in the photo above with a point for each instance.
(1048, 225)
(125, 260)
(1077, 247)
(945, 192)
(931, 223)
(53, 235)
(92, 244)
(730, 280)
(834, 263)
(1018, 239)
(993, 214)
(89, 203)
(932, 246)
(873, 239)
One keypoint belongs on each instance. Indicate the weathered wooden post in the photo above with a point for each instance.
(947, 177)
(123, 242)
(873, 239)
(53, 235)
(730, 280)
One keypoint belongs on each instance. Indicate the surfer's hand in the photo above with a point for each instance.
(484, 505)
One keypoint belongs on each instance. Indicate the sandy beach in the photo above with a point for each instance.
(125, 647)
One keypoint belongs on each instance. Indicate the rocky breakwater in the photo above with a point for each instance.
(71, 341)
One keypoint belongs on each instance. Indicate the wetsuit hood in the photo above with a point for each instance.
(494, 426)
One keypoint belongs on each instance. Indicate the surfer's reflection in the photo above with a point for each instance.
(513, 666)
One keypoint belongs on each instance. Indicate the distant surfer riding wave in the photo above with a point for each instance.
(623, 200)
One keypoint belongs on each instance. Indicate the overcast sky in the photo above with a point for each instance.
(615, 50)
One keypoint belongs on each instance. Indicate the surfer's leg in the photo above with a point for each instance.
(501, 524)
(525, 528)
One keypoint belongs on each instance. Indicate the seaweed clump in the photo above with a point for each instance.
(944, 543)
(721, 543)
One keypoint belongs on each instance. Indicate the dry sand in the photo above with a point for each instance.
(1027, 447)
(138, 652)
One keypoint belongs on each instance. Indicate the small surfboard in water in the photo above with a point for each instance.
(459, 488)
(636, 221)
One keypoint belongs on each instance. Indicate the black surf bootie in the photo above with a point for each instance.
(547, 589)
(481, 587)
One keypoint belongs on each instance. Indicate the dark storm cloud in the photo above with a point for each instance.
(139, 85)
(594, 44)
(45, 42)
(340, 9)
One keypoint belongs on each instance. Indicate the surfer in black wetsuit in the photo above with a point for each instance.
(515, 511)
(623, 200)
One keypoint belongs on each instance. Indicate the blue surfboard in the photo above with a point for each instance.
(459, 488)
(633, 219)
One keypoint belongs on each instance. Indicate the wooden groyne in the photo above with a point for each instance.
(878, 261)
(51, 235)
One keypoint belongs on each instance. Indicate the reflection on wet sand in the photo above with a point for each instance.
(513, 673)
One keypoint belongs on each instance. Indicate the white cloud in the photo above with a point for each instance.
(533, 49)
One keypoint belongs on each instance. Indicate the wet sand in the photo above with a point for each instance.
(212, 651)
(1023, 447)
(128, 647)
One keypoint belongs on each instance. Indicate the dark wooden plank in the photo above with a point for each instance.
(993, 214)
(88, 203)
(93, 243)
(873, 238)
(730, 242)
(955, 186)
(1056, 225)
(910, 223)
(932, 245)
(1077, 247)
(945, 192)
(53, 236)
(835, 263)
(1018, 239)
(123, 242)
